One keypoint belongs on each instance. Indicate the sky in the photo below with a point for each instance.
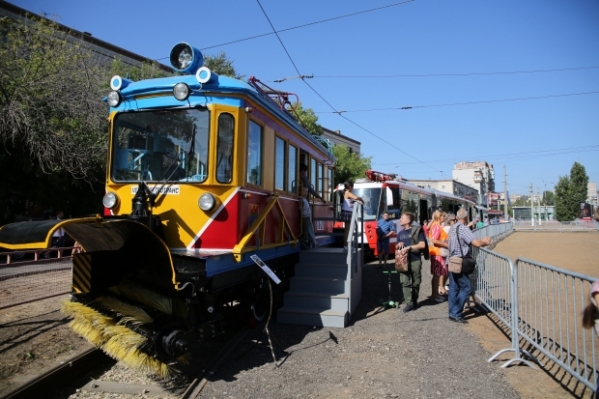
(510, 82)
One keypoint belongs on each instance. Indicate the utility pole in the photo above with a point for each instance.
(532, 207)
(505, 214)
(539, 195)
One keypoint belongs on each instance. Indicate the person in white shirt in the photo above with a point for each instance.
(58, 236)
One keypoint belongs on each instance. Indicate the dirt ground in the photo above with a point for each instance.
(35, 336)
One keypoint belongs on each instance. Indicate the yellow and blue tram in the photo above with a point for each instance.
(202, 174)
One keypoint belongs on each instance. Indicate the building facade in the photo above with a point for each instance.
(592, 195)
(335, 137)
(542, 213)
(103, 52)
(449, 186)
(479, 175)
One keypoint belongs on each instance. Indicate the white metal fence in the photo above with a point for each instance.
(541, 305)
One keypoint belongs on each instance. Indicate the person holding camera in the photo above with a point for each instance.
(459, 283)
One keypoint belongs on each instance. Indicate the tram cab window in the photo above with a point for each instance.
(372, 198)
(254, 160)
(160, 145)
(224, 142)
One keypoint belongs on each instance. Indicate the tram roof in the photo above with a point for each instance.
(222, 85)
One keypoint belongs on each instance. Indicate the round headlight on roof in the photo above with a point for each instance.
(181, 91)
(110, 200)
(118, 83)
(206, 202)
(114, 98)
(185, 58)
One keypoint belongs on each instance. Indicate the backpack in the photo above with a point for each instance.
(424, 252)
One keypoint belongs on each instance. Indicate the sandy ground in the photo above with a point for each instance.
(35, 336)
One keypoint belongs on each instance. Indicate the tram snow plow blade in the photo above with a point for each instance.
(120, 249)
(33, 235)
(124, 288)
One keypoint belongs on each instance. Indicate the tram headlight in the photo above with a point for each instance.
(185, 58)
(206, 202)
(110, 200)
(114, 98)
(181, 91)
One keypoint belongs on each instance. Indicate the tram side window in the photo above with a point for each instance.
(320, 177)
(291, 168)
(393, 203)
(328, 185)
(409, 202)
(313, 172)
(224, 157)
(254, 162)
(279, 164)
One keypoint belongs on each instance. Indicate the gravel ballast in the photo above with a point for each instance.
(381, 354)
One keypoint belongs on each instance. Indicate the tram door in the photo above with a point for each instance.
(422, 211)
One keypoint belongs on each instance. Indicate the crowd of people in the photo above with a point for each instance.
(446, 235)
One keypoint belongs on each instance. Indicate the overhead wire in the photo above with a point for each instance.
(409, 107)
(516, 156)
(446, 74)
(275, 32)
(329, 104)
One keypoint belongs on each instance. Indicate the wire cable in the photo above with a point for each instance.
(516, 156)
(329, 104)
(444, 74)
(408, 107)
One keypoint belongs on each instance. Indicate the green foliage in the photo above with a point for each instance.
(49, 91)
(307, 118)
(349, 165)
(148, 70)
(221, 65)
(52, 123)
(548, 198)
(570, 192)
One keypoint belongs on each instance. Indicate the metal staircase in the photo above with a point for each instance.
(325, 290)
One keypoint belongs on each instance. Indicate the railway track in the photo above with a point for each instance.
(76, 373)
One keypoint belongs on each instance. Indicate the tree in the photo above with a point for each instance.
(307, 118)
(349, 165)
(549, 198)
(221, 65)
(148, 70)
(49, 91)
(570, 192)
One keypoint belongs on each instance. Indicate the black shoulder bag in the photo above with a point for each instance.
(468, 262)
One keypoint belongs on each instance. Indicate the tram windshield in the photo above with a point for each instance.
(161, 145)
(372, 200)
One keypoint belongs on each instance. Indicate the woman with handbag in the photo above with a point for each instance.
(460, 240)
